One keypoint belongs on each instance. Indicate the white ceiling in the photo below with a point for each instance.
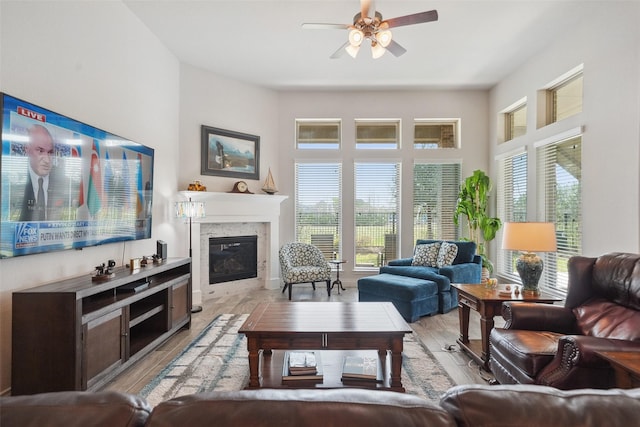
(474, 44)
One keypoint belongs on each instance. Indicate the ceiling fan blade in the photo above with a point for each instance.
(396, 49)
(341, 51)
(318, 26)
(365, 8)
(416, 18)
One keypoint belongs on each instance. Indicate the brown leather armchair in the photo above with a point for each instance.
(556, 346)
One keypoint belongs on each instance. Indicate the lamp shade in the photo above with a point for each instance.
(189, 209)
(384, 38)
(529, 236)
(356, 37)
(377, 50)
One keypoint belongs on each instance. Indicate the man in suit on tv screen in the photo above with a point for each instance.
(45, 194)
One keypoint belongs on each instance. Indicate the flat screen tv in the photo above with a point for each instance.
(68, 185)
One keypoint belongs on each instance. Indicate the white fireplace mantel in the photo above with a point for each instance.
(238, 208)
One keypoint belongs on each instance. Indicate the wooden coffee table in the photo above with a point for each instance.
(325, 326)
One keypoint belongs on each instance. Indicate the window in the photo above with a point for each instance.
(435, 194)
(318, 206)
(565, 99)
(433, 134)
(377, 134)
(318, 134)
(511, 206)
(560, 202)
(377, 213)
(515, 122)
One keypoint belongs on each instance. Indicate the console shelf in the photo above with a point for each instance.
(78, 335)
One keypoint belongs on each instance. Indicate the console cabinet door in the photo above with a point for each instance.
(104, 345)
(179, 302)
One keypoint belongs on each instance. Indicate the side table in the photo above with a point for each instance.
(626, 365)
(487, 302)
(337, 263)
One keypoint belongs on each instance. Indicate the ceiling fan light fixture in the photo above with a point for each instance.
(384, 38)
(352, 50)
(377, 50)
(356, 37)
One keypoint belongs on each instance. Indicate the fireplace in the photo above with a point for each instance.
(232, 258)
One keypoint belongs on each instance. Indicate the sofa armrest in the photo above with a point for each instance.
(476, 405)
(538, 317)
(74, 408)
(468, 272)
(401, 262)
(581, 350)
(576, 364)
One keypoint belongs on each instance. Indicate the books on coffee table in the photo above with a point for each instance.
(362, 368)
(302, 365)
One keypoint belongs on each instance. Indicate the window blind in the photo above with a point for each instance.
(377, 212)
(435, 195)
(560, 201)
(318, 206)
(511, 205)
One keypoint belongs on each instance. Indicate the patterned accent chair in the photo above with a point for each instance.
(303, 263)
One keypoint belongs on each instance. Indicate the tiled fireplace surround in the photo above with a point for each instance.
(231, 214)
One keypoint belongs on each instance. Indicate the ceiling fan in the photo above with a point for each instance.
(369, 25)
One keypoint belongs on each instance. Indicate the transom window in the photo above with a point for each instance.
(434, 134)
(318, 134)
(377, 134)
(566, 98)
(515, 122)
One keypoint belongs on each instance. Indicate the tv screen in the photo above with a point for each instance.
(65, 184)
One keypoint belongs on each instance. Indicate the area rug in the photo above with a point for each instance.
(216, 360)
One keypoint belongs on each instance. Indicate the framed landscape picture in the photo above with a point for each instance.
(229, 153)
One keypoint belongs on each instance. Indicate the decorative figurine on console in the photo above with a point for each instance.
(103, 273)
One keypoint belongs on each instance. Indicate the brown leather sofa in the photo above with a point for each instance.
(461, 406)
(556, 346)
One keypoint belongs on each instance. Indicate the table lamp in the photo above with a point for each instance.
(190, 210)
(529, 237)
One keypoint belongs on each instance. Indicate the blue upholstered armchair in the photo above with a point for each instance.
(303, 263)
(465, 267)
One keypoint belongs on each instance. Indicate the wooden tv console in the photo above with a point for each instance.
(77, 334)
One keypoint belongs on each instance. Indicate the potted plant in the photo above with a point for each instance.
(473, 204)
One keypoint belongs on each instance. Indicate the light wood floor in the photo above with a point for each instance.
(438, 333)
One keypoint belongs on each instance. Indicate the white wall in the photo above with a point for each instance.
(608, 44)
(470, 106)
(97, 63)
(208, 99)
